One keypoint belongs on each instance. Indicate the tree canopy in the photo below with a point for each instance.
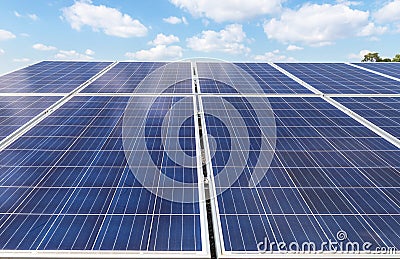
(374, 57)
(396, 58)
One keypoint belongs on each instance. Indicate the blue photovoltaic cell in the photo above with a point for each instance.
(384, 112)
(66, 184)
(50, 77)
(391, 69)
(266, 78)
(126, 76)
(339, 78)
(272, 80)
(15, 111)
(329, 173)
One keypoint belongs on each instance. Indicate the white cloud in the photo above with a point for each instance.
(273, 56)
(162, 39)
(371, 29)
(90, 52)
(21, 60)
(233, 10)
(348, 3)
(160, 52)
(6, 35)
(389, 12)
(294, 47)
(319, 25)
(175, 20)
(42, 47)
(71, 55)
(228, 40)
(2, 52)
(359, 56)
(109, 20)
(33, 17)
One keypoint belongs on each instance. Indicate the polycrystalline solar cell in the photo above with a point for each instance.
(50, 77)
(391, 69)
(328, 173)
(223, 78)
(125, 77)
(15, 111)
(384, 112)
(272, 80)
(338, 78)
(66, 184)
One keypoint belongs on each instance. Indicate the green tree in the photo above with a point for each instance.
(385, 60)
(396, 58)
(372, 57)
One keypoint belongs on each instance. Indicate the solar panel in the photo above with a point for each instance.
(68, 184)
(335, 78)
(328, 174)
(126, 77)
(387, 68)
(245, 78)
(382, 111)
(50, 77)
(15, 111)
(123, 166)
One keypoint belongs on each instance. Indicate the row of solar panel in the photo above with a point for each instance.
(67, 184)
(352, 171)
(125, 77)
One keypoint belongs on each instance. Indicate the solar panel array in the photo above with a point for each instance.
(88, 151)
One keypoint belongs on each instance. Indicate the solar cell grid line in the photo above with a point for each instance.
(73, 192)
(272, 80)
(127, 76)
(354, 200)
(372, 198)
(124, 77)
(78, 217)
(218, 77)
(15, 111)
(340, 78)
(50, 77)
(384, 112)
(387, 68)
(238, 220)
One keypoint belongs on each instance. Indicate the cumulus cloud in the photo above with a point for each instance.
(162, 39)
(388, 13)
(42, 47)
(102, 18)
(160, 52)
(273, 56)
(233, 10)
(319, 25)
(229, 40)
(360, 55)
(89, 52)
(71, 55)
(294, 47)
(6, 35)
(175, 20)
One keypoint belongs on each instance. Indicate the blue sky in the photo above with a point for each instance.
(233, 30)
